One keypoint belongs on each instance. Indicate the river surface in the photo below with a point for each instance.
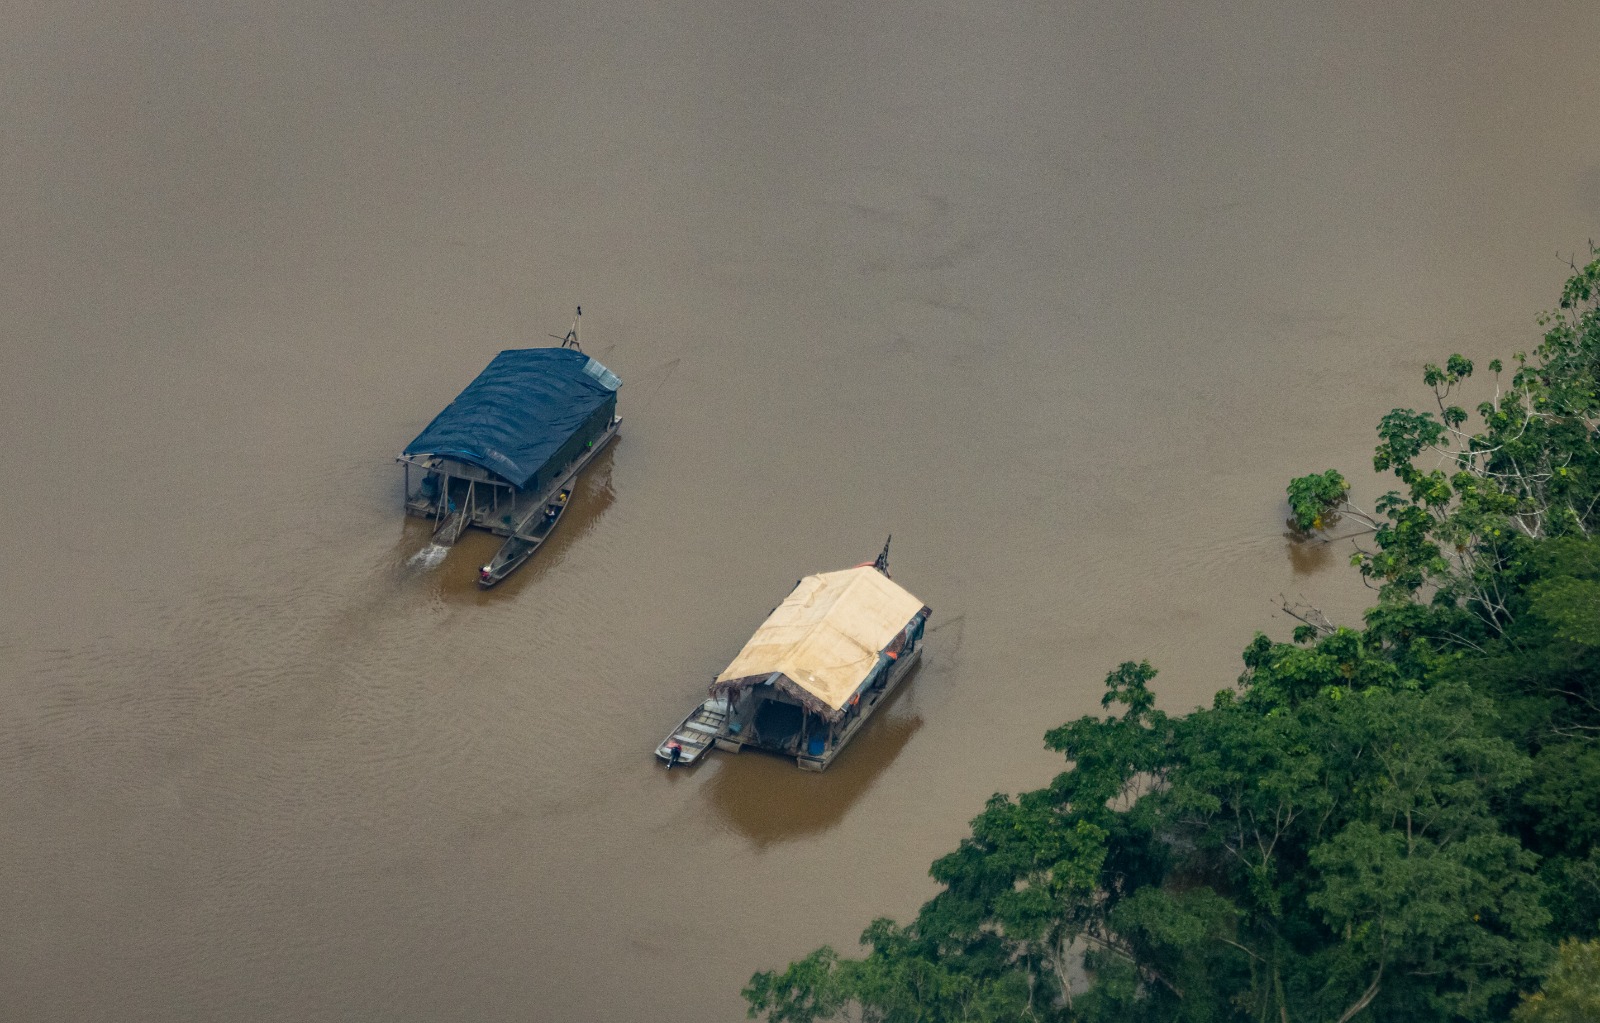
(1060, 294)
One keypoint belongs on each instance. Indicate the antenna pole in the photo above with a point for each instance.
(571, 340)
(572, 334)
(882, 564)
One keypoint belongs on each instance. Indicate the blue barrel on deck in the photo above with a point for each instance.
(814, 747)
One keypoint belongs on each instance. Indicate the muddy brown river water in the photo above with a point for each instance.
(1059, 294)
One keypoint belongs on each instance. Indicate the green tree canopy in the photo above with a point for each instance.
(1474, 496)
(1395, 822)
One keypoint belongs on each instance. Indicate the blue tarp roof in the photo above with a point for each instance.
(520, 409)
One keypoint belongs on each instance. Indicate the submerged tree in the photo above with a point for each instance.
(1474, 497)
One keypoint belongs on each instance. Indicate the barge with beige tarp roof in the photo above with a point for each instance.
(806, 682)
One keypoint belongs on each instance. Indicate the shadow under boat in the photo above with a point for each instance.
(765, 800)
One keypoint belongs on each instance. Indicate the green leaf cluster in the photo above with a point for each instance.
(1572, 991)
(1472, 497)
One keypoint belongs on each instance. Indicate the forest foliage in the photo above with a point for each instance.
(1396, 822)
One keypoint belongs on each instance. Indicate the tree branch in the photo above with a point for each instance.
(1365, 999)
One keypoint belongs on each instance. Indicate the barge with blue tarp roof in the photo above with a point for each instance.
(508, 449)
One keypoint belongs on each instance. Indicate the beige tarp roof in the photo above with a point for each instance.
(826, 635)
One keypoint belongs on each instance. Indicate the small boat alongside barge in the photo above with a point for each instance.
(695, 734)
(805, 684)
(530, 534)
(506, 453)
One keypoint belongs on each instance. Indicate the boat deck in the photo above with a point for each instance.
(508, 518)
(695, 734)
(728, 742)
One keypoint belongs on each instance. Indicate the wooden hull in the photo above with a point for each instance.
(520, 543)
(450, 528)
(807, 762)
(766, 710)
(526, 540)
(512, 554)
(695, 734)
(901, 669)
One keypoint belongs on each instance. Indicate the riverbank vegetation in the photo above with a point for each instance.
(1393, 822)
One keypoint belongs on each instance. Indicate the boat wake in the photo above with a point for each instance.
(429, 556)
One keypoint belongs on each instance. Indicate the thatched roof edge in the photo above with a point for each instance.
(783, 683)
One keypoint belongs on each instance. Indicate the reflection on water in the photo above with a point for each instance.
(1310, 553)
(767, 799)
